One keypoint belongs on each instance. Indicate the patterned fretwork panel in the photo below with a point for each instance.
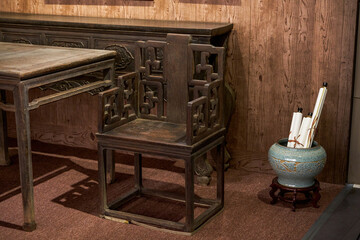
(110, 108)
(214, 90)
(128, 85)
(205, 84)
(118, 105)
(206, 64)
(149, 64)
(199, 118)
(151, 100)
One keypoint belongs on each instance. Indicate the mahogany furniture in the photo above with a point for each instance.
(119, 35)
(104, 33)
(23, 67)
(170, 107)
(311, 194)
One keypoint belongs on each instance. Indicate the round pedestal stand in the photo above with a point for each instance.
(311, 193)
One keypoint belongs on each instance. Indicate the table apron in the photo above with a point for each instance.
(57, 77)
(67, 74)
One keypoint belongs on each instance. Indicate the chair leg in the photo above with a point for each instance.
(138, 170)
(220, 173)
(4, 156)
(102, 178)
(189, 194)
(110, 166)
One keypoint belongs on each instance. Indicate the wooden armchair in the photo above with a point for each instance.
(171, 106)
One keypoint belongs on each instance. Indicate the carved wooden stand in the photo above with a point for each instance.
(313, 198)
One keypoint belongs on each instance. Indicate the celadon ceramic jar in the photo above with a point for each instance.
(296, 167)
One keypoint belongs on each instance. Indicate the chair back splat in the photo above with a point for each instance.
(176, 72)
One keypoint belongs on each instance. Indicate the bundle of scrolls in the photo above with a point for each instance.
(303, 129)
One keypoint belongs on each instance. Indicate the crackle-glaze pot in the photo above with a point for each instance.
(296, 167)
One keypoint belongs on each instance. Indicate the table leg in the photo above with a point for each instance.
(4, 153)
(102, 179)
(25, 162)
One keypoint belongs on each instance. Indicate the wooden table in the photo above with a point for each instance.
(23, 67)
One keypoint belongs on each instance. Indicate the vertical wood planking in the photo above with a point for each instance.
(257, 72)
(275, 109)
(237, 72)
(320, 51)
(345, 90)
(302, 57)
(279, 54)
(328, 54)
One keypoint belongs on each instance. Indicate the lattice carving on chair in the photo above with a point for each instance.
(149, 63)
(206, 64)
(199, 117)
(205, 84)
(111, 109)
(151, 100)
(213, 90)
(119, 103)
(128, 90)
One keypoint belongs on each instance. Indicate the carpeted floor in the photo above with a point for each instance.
(66, 200)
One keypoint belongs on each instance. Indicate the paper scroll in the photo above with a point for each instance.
(295, 127)
(304, 131)
(316, 115)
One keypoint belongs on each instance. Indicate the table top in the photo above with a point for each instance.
(161, 26)
(24, 61)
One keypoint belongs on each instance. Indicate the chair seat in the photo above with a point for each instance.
(150, 131)
(153, 136)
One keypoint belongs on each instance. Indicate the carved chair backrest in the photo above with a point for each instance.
(174, 72)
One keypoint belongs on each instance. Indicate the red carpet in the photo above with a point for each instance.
(66, 200)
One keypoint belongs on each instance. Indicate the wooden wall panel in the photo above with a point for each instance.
(346, 72)
(279, 54)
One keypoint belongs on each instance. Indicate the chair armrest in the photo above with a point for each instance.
(126, 77)
(215, 93)
(109, 109)
(129, 86)
(205, 113)
(118, 105)
(197, 119)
